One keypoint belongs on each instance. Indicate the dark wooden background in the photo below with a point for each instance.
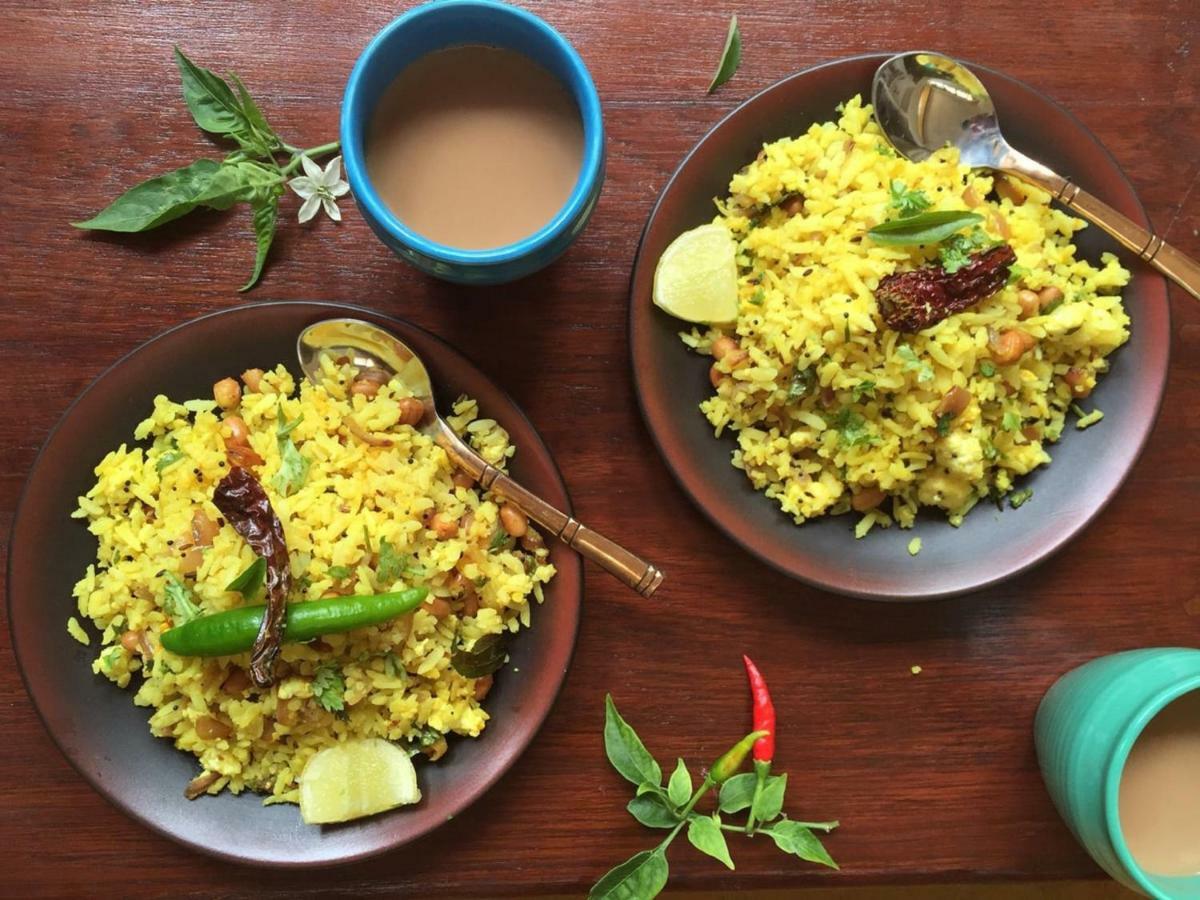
(933, 776)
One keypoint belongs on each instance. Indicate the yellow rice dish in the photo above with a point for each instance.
(833, 410)
(373, 506)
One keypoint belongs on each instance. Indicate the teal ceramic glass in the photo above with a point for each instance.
(1086, 725)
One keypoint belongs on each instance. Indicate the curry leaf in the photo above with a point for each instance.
(250, 582)
(923, 228)
(625, 749)
(293, 469)
(704, 833)
(485, 657)
(641, 877)
(731, 55)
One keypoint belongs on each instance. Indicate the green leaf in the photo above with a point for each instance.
(293, 469)
(731, 55)
(178, 602)
(157, 201)
(907, 203)
(913, 363)
(943, 423)
(625, 749)
(641, 877)
(956, 251)
(391, 563)
(337, 573)
(485, 657)
(865, 389)
(1017, 499)
(249, 584)
(266, 217)
(770, 801)
(705, 835)
(255, 117)
(803, 383)
(987, 368)
(852, 428)
(329, 687)
(170, 456)
(679, 788)
(925, 228)
(738, 792)
(792, 837)
(652, 811)
(1011, 421)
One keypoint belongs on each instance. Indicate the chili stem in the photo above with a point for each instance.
(761, 774)
(819, 826)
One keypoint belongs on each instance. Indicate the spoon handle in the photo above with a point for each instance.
(1177, 266)
(626, 566)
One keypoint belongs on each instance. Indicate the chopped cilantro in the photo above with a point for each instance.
(329, 687)
(905, 202)
(1018, 498)
(852, 428)
(1053, 305)
(337, 573)
(1015, 273)
(955, 252)
(758, 297)
(913, 363)
(109, 658)
(170, 456)
(884, 150)
(391, 565)
(178, 602)
(865, 389)
(802, 384)
(501, 540)
(943, 423)
(1011, 422)
(990, 453)
(987, 368)
(392, 666)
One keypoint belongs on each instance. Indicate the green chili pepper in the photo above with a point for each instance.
(731, 760)
(227, 633)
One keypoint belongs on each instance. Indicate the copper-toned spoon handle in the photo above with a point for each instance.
(626, 566)
(1177, 266)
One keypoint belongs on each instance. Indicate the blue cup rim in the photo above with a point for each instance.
(1116, 768)
(581, 87)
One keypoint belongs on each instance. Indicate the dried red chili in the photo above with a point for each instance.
(245, 505)
(913, 301)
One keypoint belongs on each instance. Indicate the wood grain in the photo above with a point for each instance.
(933, 776)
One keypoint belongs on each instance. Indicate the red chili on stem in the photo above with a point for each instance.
(764, 712)
(764, 747)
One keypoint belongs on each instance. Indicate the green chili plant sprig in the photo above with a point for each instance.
(673, 808)
(252, 174)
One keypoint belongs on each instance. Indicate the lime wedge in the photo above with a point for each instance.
(356, 779)
(696, 278)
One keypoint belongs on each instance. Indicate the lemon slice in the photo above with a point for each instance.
(696, 278)
(356, 779)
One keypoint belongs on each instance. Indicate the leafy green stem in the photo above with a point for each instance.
(311, 153)
(705, 786)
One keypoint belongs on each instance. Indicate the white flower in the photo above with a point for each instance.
(320, 188)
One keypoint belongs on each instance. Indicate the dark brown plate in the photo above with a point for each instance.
(96, 724)
(1088, 466)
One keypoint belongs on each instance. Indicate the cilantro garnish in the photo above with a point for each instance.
(955, 251)
(178, 602)
(865, 389)
(329, 687)
(907, 202)
(913, 363)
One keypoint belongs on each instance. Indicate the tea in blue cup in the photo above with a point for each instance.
(473, 140)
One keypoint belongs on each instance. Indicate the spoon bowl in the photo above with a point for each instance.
(925, 101)
(368, 346)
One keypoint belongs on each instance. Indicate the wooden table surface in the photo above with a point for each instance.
(933, 776)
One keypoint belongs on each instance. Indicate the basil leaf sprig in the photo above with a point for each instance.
(251, 174)
(673, 809)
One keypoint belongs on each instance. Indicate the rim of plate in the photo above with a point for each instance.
(377, 846)
(640, 322)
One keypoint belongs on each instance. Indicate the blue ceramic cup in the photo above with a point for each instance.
(1086, 725)
(451, 23)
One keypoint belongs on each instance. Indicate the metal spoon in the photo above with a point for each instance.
(925, 100)
(368, 346)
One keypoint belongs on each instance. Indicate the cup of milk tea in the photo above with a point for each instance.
(473, 140)
(1118, 741)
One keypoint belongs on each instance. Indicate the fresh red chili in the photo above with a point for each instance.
(242, 500)
(764, 712)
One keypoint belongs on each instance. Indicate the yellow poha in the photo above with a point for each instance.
(834, 411)
(357, 501)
